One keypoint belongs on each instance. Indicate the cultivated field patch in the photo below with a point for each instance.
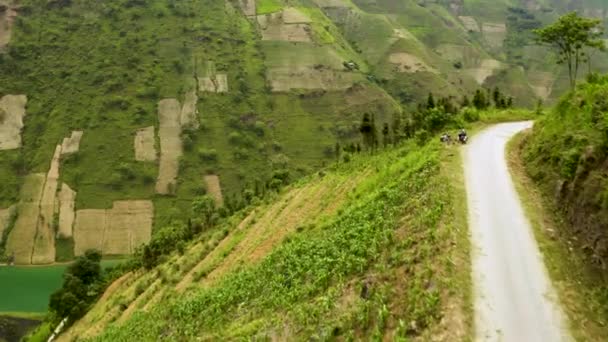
(21, 238)
(541, 83)
(5, 215)
(405, 62)
(305, 66)
(189, 115)
(486, 69)
(44, 245)
(8, 13)
(116, 231)
(12, 111)
(66, 211)
(248, 7)
(292, 15)
(494, 33)
(72, 143)
(217, 83)
(286, 78)
(144, 144)
(169, 112)
(214, 189)
(332, 3)
(469, 23)
(288, 25)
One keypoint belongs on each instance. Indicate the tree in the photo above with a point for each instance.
(385, 136)
(430, 101)
(82, 283)
(479, 100)
(204, 208)
(572, 35)
(465, 101)
(497, 97)
(368, 130)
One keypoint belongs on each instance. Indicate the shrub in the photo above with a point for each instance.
(209, 155)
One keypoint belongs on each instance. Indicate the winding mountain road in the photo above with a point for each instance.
(514, 298)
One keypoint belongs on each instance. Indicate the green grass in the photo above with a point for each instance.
(268, 6)
(579, 285)
(398, 218)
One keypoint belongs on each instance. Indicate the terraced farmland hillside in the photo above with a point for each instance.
(117, 114)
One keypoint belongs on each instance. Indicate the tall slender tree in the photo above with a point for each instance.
(571, 35)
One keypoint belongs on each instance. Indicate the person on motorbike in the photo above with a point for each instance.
(462, 135)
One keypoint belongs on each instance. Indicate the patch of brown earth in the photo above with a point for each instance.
(494, 33)
(116, 231)
(12, 112)
(189, 114)
(71, 144)
(20, 241)
(214, 189)
(248, 7)
(144, 144)
(44, 244)
(66, 211)
(405, 62)
(308, 77)
(469, 23)
(274, 27)
(169, 113)
(8, 13)
(292, 15)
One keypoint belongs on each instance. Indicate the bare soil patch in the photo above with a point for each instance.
(494, 33)
(144, 144)
(66, 211)
(71, 144)
(217, 83)
(274, 26)
(7, 18)
(12, 111)
(214, 189)
(44, 245)
(189, 115)
(292, 15)
(485, 70)
(21, 239)
(469, 23)
(169, 113)
(116, 231)
(541, 83)
(248, 7)
(308, 77)
(89, 230)
(405, 62)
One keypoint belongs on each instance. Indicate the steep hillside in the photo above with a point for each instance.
(568, 154)
(103, 141)
(374, 247)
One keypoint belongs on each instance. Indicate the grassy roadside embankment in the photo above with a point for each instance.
(578, 286)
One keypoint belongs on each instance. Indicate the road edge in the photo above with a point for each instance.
(564, 265)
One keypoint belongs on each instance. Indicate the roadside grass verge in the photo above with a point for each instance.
(581, 288)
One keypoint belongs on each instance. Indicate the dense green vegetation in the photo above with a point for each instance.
(567, 156)
(317, 265)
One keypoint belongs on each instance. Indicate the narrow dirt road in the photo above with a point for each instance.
(514, 299)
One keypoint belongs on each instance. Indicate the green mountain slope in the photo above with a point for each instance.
(373, 248)
(171, 100)
(567, 155)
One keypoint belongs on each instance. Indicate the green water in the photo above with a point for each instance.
(27, 288)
